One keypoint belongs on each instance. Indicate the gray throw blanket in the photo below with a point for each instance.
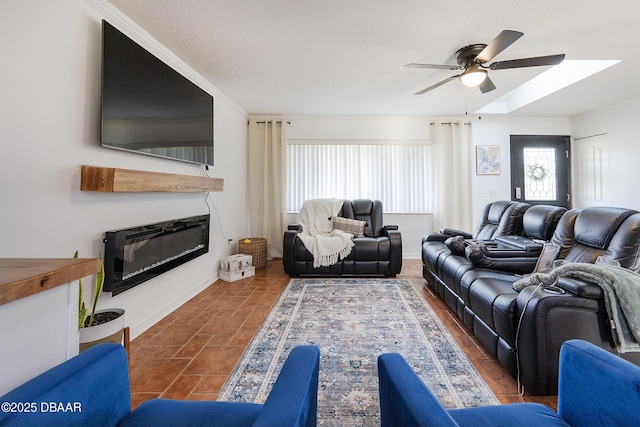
(621, 289)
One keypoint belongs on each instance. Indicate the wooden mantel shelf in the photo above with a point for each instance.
(22, 277)
(114, 180)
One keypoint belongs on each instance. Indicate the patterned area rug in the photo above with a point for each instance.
(353, 321)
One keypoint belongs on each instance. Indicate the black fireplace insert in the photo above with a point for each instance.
(135, 255)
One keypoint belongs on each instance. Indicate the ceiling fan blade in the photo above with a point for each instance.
(487, 85)
(447, 80)
(435, 66)
(505, 39)
(528, 62)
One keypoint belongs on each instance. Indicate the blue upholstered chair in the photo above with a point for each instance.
(596, 388)
(92, 389)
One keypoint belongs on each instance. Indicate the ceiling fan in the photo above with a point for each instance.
(472, 60)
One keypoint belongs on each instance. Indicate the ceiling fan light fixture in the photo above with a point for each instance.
(473, 60)
(473, 76)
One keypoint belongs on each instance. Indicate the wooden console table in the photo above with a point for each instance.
(22, 277)
(38, 314)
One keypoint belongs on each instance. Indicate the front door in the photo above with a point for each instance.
(540, 169)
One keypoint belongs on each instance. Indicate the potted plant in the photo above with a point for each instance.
(102, 325)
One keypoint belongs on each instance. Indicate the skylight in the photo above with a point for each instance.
(555, 78)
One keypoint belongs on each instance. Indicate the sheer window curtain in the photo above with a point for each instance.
(452, 206)
(265, 176)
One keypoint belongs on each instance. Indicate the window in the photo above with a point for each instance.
(398, 174)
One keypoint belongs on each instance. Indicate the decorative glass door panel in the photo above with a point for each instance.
(540, 181)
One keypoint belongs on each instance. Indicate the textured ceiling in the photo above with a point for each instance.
(337, 57)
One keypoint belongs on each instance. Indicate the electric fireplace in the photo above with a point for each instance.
(135, 255)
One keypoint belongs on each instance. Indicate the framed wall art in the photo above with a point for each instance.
(487, 159)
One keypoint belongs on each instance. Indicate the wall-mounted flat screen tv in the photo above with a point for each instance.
(148, 107)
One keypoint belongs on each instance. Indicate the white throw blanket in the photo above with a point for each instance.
(325, 244)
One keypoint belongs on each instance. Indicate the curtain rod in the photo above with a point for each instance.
(432, 123)
(450, 123)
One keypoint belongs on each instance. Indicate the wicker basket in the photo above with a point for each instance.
(257, 248)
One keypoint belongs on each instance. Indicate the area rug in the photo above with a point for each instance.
(353, 321)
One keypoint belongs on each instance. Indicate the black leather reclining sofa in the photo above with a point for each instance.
(377, 253)
(524, 331)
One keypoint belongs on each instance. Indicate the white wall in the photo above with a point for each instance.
(50, 111)
(619, 124)
(496, 130)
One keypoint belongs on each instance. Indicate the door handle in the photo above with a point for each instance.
(518, 193)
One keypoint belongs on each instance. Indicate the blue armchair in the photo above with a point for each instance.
(93, 389)
(595, 388)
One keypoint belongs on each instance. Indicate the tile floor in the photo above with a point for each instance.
(190, 353)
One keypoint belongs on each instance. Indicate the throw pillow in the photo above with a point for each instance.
(352, 226)
(548, 258)
(457, 245)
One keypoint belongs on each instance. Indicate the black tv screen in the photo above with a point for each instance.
(148, 107)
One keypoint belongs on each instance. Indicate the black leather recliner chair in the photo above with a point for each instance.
(496, 219)
(524, 331)
(443, 253)
(518, 254)
(378, 253)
